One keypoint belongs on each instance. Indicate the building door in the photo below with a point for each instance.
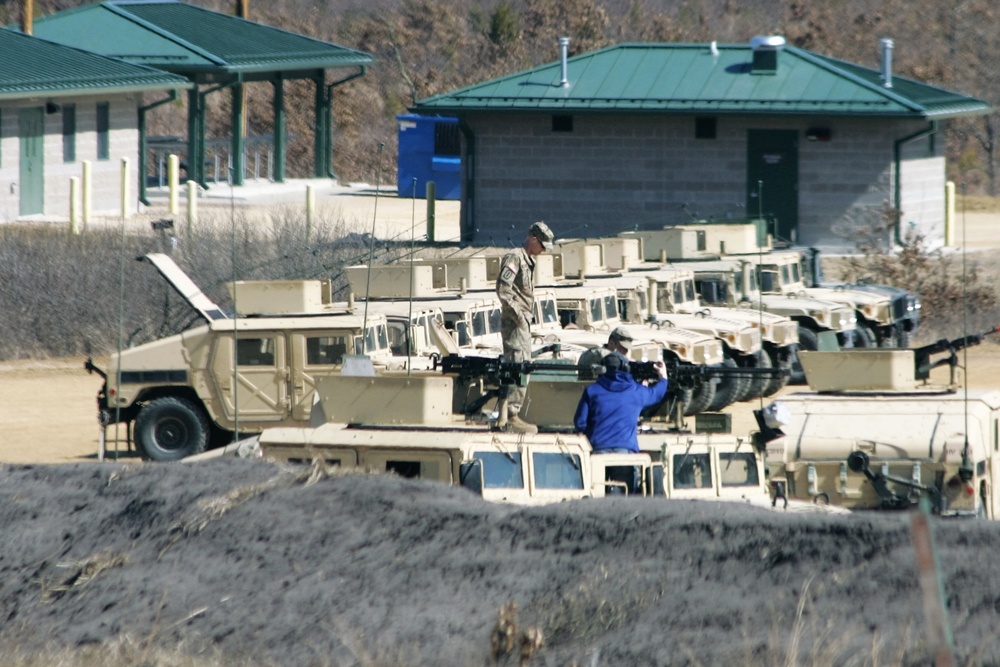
(31, 129)
(773, 181)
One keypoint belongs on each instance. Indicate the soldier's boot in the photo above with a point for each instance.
(518, 425)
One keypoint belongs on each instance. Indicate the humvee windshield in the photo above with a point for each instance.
(557, 471)
(738, 469)
(501, 470)
(596, 311)
(545, 311)
(479, 323)
(692, 471)
(376, 338)
(494, 320)
(610, 307)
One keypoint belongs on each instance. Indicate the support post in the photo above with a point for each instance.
(279, 130)
(237, 151)
(125, 197)
(310, 210)
(431, 198)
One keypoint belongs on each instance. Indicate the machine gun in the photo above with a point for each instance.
(498, 372)
(888, 500)
(922, 355)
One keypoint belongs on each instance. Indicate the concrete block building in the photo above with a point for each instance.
(60, 108)
(639, 136)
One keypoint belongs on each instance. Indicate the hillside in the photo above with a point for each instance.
(241, 563)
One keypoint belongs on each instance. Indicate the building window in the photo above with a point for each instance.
(69, 132)
(704, 127)
(103, 126)
(562, 123)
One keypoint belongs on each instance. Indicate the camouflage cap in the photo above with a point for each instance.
(542, 232)
(623, 337)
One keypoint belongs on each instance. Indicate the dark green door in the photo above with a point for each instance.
(31, 129)
(773, 180)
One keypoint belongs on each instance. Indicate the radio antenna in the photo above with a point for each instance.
(371, 251)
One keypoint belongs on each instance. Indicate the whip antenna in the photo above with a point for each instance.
(371, 252)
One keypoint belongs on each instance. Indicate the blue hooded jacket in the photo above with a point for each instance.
(608, 412)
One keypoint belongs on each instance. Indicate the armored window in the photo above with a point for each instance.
(103, 131)
(383, 338)
(462, 329)
(535, 312)
(663, 298)
(397, 338)
(678, 289)
(738, 469)
(369, 340)
(549, 314)
(596, 310)
(786, 278)
(796, 275)
(69, 132)
(692, 471)
(408, 469)
(689, 293)
(501, 470)
(557, 471)
(479, 324)
(255, 352)
(325, 350)
(610, 307)
(495, 320)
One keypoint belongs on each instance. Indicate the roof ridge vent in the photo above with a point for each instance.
(765, 53)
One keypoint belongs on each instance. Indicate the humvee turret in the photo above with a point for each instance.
(875, 433)
(236, 373)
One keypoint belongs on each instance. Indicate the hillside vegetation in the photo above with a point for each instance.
(427, 47)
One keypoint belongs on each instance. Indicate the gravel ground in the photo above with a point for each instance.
(243, 562)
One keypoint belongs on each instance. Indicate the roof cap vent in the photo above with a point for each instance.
(765, 53)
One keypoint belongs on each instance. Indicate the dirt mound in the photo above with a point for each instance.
(265, 565)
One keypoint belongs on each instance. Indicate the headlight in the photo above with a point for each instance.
(819, 315)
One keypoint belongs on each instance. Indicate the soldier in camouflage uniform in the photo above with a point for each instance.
(516, 293)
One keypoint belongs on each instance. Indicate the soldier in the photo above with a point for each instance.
(516, 293)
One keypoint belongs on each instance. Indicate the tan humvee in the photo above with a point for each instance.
(407, 425)
(875, 434)
(235, 374)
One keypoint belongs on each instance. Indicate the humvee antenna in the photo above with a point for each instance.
(409, 316)
(236, 358)
(371, 251)
(760, 262)
(121, 332)
(965, 470)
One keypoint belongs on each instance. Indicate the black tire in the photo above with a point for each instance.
(759, 384)
(807, 341)
(746, 382)
(702, 397)
(726, 390)
(776, 384)
(864, 337)
(170, 428)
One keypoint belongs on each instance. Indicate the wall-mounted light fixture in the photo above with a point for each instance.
(51, 107)
(818, 134)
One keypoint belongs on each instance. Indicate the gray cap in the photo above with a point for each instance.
(623, 337)
(542, 232)
(616, 361)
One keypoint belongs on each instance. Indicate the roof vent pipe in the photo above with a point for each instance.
(27, 16)
(563, 52)
(765, 50)
(887, 63)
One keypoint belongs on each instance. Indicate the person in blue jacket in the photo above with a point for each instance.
(608, 411)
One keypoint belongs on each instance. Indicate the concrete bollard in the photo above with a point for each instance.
(192, 205)
(949, 213)
(124, 189)
(173, 170)
(431, 199)
(74, 208)
(310, 210)
(87, 191)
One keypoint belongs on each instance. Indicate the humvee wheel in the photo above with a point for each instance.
(776, 384)
(727, 389)
(170, 428)
(808, 340)
(864, 337)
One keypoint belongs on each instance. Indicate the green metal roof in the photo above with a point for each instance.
(34, 66)
(182, 38)
(689, 78)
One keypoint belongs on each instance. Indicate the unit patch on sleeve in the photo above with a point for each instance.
(509, 271)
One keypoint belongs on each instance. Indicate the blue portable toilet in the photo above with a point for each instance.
(430, 149)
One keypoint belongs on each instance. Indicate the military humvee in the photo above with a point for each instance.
(235, 374)
(874, 433)
(362, 420)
